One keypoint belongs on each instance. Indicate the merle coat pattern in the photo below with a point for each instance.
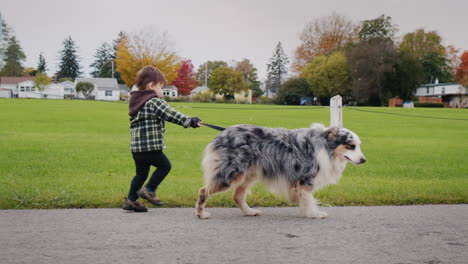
(291, 161)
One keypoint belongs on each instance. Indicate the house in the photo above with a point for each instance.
(199, 90)
(170, 90)
(106, 89)
(241, 97)
(12, 84)
(451, 94)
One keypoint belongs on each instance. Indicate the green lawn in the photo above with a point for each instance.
(72, 154)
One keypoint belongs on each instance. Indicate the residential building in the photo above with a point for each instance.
(452, 94)
(106, 89)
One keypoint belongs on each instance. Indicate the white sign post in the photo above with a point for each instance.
(336, 112)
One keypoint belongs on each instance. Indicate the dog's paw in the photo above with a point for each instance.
(317, 214)
(253, 212)
(204, 215)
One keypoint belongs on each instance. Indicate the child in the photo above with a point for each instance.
(148, 113)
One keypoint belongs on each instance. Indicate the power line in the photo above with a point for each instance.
(430, 117)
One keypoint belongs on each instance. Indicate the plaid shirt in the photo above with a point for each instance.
(147, 127)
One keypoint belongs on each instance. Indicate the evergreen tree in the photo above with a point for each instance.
(41, 65)
(114, 56)
(276, 69)
(13, 58)
(69, 65)
(6, 32)
(105, 55)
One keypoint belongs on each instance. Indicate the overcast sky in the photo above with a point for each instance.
(212, 29)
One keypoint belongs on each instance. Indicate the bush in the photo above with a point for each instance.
(428, 105)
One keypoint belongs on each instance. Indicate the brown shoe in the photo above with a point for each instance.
(134, 206)
(149, 196)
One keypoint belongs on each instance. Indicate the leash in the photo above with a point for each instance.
(214, 127)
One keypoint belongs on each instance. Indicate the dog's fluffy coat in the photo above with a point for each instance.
(295, 162)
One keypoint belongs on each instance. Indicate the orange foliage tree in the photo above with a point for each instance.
(136, 50)
(322, 36)
(462, 70)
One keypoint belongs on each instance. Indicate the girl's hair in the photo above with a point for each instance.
(149, 74)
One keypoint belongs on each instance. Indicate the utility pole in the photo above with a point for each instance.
(112, 69)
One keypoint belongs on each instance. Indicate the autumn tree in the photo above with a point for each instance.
(420, 43)
(13, 59)
(322, 36)
(227, 82)
(206, 69)
(276, 69)
(292, 91)
(149, 46)
(380, 27)
(369, 64)
(186, 78)
(41, 64)
(41, 81)
(462, 70)
(328, 76)
(250, 75)
(453, 57)
(104, 54)
(69, 66)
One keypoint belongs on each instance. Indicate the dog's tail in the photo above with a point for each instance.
(214, 127)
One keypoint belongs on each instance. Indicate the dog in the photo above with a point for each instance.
(294, 162)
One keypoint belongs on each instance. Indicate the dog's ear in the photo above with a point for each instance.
(331, 134)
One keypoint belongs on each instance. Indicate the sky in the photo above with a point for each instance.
(203, 30)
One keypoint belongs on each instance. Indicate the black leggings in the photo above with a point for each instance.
(143, 161)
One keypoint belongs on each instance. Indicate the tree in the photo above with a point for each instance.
(436, 66)
(369, 63)
(41, 81)
(380, 27)
(136, 50)
(421, 43)
(276, 69)
(86, 88)
(462, 70)
(7, 34)
(322, 36)
(41, 64)
(408, 75)
(328, 76)
(13, 59)
(227, 82)
(206, 69)
(250, 75)
(292, 91)
(186, 78)
(104, 54)
(69, 66)
(453, 57)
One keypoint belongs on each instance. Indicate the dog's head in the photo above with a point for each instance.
(345, 145)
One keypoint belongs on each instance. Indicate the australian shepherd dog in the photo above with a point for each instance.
(294, 162)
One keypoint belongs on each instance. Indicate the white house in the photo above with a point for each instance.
(11, 83)
(452, 94)
(170, 91)
(106, 89)
(242, 96)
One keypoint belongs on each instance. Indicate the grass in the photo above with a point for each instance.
(75, 154)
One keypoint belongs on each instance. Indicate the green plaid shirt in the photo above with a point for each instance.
(147, 127)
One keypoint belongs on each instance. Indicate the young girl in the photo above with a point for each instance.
(148, 113)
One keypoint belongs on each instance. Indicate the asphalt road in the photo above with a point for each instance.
(408, 234)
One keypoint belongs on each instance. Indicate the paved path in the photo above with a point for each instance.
(408, 234)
